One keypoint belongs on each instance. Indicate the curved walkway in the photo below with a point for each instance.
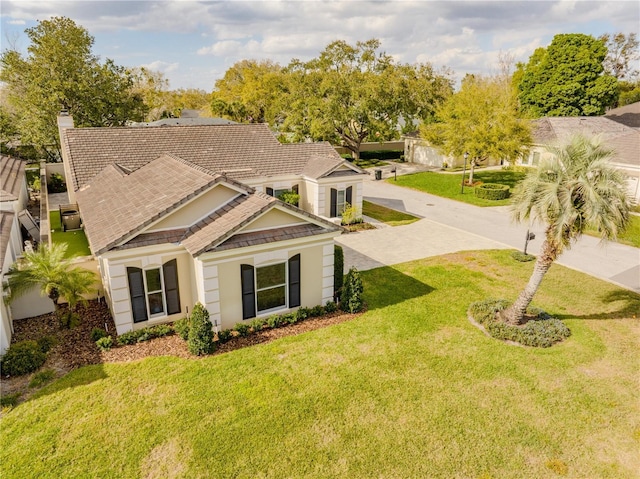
(448, 226)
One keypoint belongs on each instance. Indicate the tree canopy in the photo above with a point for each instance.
(348, 94)
(61, 72)
(622, 55)
(482, 120)
(567, 78)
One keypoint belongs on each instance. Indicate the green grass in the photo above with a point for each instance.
(369, 163)
(631, 236)
(77, 244)
(409, 389)
(387, 215)
(448, 185)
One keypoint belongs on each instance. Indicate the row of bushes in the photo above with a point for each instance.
(491, 191)
(105, 342)
(543, 331)
(26, 357)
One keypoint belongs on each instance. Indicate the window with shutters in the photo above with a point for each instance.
(154, 292)
(266, 289)
(340, 199)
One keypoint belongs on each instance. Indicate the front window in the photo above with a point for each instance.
(154, 292)
(154, 288)
(535, 158)
(340, 202)
(271, 287)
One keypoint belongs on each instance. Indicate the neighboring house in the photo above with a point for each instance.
(13, 201)
(420, 151)
(624, 140)
(628, 115)
(186, 214)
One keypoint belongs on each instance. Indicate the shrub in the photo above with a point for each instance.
(9, 400)
(349, 215)
(522, 257)
(257, 324)
(69, 319)
(303, 313)
(338, 270)
(181, 327)
(290, 197)
(159, 331)
(97, 333)
(200, 339)
(316, 311)
(543, 331)
(274, 321)
(45, 343)
(41, 378)
(352, 292)
(290, 318)
(56, 184)
(130, 337)
(242, 329)
(22, 358)
(224, 335)
(105, 343)
(330, 307)
(492, 191)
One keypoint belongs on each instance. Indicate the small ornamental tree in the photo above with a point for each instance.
(200, 340)
(352, 292)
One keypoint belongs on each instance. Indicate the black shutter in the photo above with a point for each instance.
(171, 289)
(294, 281)
(349, 195)
(295, 189)
(136, 293)
(269, 191)
(334, 201)
(248, 292)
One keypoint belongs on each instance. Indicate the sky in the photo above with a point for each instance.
(194, 42)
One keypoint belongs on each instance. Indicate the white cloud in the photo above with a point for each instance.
(161, 66)
(17, 22)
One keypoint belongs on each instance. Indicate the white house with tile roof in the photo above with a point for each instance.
(622, 139)
(186, 214)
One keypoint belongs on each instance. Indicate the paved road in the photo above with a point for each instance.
(448, 226)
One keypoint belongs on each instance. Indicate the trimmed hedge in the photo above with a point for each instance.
(145, 334)
(492, 191)
(523, 258)
(200, 339)
(542, 332)
(351, 301)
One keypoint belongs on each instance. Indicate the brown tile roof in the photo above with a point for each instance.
(114, 206)
(255, 238)
(11, 177)
(622, 139)
(628, 115)
(6, 221)
(240, 151)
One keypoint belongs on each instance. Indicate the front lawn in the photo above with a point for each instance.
(387, 215)
(630, 236)
(448, 185)
(77, 244)
(409, 389)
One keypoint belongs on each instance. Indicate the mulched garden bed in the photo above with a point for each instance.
(75, 349)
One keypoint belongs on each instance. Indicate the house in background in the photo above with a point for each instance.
(622, 139)
(182, 214)
(420, 151)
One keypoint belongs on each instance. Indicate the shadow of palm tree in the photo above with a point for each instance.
(386, 286)
(630, 307)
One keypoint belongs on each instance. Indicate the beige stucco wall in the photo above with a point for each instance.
(419, 151)
(116, 265)
(273, 219)
(222, 291)
(197, 209)
(31, 304)
(324, 200)
(309, 196)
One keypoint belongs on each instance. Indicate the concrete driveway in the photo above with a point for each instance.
(448, 226)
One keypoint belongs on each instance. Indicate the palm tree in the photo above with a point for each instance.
(47, 268)
(576, 189)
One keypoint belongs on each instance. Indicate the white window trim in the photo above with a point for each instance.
(270, 311)
(161, 290)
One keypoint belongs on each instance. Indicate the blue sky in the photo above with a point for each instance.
(193, 43)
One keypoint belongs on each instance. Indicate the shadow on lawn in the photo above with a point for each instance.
(386, 286)
(630, 307)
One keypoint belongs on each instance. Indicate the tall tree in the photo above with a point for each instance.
(60, 72)
(481, 120)
(576, 189)
(622, 54)
(567, 78)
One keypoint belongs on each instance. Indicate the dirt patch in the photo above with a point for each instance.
(75, 348)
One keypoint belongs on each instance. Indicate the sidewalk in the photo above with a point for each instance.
(448, 226)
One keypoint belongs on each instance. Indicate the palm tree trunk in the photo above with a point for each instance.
(514, 314)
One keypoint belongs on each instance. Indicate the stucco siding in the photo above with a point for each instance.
(274, 218)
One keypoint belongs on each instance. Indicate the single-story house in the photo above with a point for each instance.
(420, 151)
(182, 214)
(622, 139)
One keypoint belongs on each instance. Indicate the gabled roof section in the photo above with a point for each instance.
(115, 205)
(628, 115)
(239, 151)
(11, 177)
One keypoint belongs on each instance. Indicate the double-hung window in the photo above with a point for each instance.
(339, 201)
(270, 288)
(154, 291)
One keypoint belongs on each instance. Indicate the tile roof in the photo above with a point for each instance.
(6, 222)
(241, 151)
(622, 139)
(628, 115)
(256, 238)
(114, 206)
(11, 177)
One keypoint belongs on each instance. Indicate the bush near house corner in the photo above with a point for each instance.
(492, 191)
(351, 301)
(22, 358)
(200, 340)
